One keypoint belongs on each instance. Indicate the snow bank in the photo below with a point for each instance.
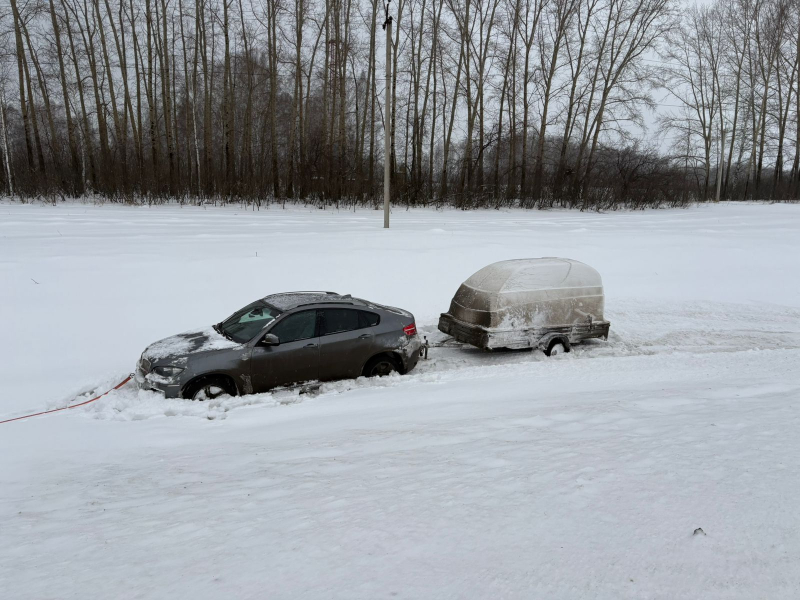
(479, 475)
(111, 280)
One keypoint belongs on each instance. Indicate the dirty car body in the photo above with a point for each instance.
(528, 303)
(282, 340)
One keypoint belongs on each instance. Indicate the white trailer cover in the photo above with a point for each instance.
(530, 293)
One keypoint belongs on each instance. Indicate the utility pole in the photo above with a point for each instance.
(721, 158)
(387, 116)
(686, 170)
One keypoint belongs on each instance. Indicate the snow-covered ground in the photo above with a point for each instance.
(504, 475)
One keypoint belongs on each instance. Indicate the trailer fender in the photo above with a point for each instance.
(548, 338)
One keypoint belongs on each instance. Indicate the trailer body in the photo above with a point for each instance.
(528, 303)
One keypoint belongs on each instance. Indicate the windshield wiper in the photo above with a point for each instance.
(218, 328)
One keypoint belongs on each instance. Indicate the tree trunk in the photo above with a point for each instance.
(23, 106)
(75, 161)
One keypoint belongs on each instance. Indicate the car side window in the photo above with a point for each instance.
(299, 326)
(338, 320)
(367, 319)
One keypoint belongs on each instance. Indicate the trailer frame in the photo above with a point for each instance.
(524, 337)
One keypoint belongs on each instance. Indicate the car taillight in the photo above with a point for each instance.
(410, 329)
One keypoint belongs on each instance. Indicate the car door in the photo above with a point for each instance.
(346, 343)
(294, 359)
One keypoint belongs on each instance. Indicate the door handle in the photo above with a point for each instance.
(364, 336)
(310, 346)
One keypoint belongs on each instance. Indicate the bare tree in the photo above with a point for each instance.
(499, 102)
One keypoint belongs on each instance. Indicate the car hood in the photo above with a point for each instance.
(185, 344)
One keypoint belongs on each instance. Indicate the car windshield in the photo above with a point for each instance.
(243, 325)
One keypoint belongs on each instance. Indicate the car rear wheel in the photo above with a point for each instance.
(207, 389)
(381, 366)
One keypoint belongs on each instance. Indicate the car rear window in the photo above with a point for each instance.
(367, 319)
(338, 320)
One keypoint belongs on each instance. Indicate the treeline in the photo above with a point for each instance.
(734, 71)
(494, 102)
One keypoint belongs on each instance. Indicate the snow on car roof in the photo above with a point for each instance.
(528, 274)
(290, 300)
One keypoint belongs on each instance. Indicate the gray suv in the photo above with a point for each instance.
(282, 340)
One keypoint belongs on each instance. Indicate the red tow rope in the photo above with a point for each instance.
(45, 412)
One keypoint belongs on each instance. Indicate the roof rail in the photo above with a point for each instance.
(349, 302)
(303, 292)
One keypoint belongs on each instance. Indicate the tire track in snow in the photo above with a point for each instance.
(638, 330)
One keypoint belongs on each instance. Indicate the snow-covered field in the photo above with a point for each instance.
(505, 475)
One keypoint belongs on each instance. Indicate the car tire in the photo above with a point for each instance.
(208, 388)
(381, 366)
(556, 347)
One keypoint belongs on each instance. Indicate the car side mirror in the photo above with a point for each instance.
(270, 340)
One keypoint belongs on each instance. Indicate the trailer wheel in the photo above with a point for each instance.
(556, 347)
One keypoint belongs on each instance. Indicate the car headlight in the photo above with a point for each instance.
(167, 371)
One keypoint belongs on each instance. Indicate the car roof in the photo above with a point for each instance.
(290, 300)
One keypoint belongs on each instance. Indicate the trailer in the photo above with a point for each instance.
(547, 303)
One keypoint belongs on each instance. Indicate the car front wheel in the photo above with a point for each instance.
(207, 389)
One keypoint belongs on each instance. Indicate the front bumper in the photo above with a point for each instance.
(152, 383)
